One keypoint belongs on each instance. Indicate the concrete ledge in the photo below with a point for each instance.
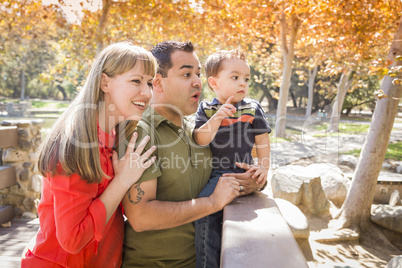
(256, 235)
(6, 213)
(8, 136)
(7, 176)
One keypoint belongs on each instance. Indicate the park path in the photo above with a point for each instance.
(13, 240)
(306, 145)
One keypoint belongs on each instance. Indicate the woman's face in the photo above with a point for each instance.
(127, 94)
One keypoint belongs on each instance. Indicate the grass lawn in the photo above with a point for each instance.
(394, 151)
(346, 128)
(48, 105)
(275, 140)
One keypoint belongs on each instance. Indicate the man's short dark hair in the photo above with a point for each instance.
(163, 51)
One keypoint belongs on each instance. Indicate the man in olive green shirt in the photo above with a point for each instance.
(162, 205)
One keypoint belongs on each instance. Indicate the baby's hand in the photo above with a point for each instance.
(226, 110)
(260, 171)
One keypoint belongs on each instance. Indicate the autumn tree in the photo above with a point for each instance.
(30, 32)
(355, 212)
(359, 29)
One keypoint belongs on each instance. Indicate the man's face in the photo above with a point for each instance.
(182, 86)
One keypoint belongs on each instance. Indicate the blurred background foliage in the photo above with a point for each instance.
(46, 47)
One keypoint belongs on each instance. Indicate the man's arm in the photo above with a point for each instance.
(145, 213)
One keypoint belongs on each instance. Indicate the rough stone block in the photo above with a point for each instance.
(399, 169)
(33, 157)
(333, 181)
(394, 199)
(300, 187)
(36, 185)
(294, 217)
(27, 165)
(314, 197)
(23, 133)
(24, 144)
(387, 216)
(388, 166)
(24, 175)
(29, 204)
(286, 183)
(13, 155)
(395, 262)
(348, 160)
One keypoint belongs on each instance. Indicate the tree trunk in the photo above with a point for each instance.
(102, 24)
(63, 91)
(311, 78)
(344, 84)
(356, 209)
(22, 85)
(293, 96)
(287, 54)
(272, 102)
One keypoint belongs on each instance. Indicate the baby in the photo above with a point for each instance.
(231, 124)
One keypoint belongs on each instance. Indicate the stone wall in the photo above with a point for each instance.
(24, 195)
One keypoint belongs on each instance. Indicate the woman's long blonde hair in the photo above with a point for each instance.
(73, 140)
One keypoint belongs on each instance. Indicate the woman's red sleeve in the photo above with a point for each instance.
(80, 216)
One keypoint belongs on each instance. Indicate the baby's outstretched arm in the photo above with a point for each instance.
(263, 147)
(206, 133)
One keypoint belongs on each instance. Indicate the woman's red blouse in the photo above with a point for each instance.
(73, 230)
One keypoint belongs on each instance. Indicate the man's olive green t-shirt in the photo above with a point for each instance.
(182, 169)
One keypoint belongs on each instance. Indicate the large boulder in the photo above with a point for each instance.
(395, 262)
(300, 187)
(399, 169)
(296, 220)
(286, 183)
(298, 224)
(348, 160)
(387, 216)
(334, 183)
(394, 199)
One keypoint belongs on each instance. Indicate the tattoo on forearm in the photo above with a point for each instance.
(140, 194)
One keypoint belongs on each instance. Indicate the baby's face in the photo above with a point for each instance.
(232, 80)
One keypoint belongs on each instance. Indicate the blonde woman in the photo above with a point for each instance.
(81, 223)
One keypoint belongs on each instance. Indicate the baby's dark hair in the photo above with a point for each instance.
(213, 63)
(163, 53)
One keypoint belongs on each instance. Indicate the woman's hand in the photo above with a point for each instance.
(133, 164)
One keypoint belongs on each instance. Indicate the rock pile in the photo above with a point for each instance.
(25, 195)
